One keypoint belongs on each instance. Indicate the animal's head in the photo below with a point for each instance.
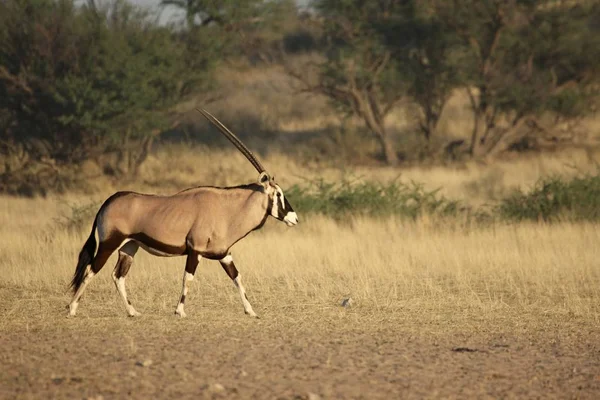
(279, 207)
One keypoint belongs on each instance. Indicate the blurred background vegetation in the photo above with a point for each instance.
(105, 91)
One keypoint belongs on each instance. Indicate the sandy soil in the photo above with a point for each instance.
(291, 353)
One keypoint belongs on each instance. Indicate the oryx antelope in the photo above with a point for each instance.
(197, 222)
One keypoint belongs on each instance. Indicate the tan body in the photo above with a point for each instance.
(204, 220)
(198, 222)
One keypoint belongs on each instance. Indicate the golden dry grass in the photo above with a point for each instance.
(385, 266)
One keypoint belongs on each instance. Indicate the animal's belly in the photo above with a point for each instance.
(160, 247)
(157, 252)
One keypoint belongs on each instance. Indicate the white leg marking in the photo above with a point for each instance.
(227, 259)
(120, 284)
(187, 277)
(247, 306)
(97, 237)
(75, 302)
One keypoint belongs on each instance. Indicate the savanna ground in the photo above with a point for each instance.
(441, 308)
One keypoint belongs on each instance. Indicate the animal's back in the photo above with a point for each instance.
(167, 219)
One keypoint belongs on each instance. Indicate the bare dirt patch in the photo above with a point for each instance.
(293, 352)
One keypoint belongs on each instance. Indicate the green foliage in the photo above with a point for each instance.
(78, 79)
(550, 200)
(374, 199)
(555, 199)
(523, 53)
(234, 26)
(77, 83)
(358, 55)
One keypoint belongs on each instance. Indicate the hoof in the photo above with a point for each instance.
(72, 310)
(252, 314)
(180, 314)
(134, 314)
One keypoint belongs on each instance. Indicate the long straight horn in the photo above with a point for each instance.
(233, 139)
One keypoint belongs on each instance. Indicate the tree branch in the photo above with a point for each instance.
(14, 80)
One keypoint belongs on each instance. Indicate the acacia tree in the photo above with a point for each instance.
(520, 59)
(226, 13)
(379, 53)
(359, 72)
(78, 82)
(234, 26)
(424, 49)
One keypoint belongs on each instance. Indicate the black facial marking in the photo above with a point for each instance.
(288, 207)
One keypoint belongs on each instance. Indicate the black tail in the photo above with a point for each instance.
(86, 256)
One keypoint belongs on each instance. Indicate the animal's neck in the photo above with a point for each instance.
(252, 215)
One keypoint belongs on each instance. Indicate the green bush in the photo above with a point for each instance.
(369, 198)
(553, 199)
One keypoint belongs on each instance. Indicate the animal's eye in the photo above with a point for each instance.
(278, 194)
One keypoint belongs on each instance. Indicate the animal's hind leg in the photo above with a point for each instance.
(231, 270)
(126, 254)
(105, 249)
(77, 296)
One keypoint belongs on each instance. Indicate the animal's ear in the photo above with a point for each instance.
(264, 178)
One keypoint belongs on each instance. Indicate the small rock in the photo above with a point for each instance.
(313, 396)
(217, 387)
(243, 374)
(144, 363)
(347, 302)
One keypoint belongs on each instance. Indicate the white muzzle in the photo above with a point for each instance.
(291, 219)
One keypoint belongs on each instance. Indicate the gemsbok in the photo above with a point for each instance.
(198, 222)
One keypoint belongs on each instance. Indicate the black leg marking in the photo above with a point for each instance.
(191, 263)
(229, 267)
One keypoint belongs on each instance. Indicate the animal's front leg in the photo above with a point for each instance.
(188, 275)
(229, 267)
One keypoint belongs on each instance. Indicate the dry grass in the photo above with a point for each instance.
(382, 265)
(385, 266)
